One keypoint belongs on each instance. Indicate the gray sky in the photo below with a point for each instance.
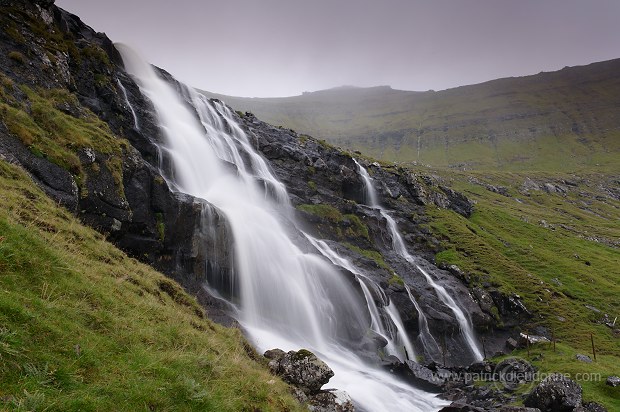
(284, 47)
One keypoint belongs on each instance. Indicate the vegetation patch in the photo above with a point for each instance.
(396, 280)
(161, 226)
(324, 211)
(357, 228)
(53, 125)
(372, 255)
(344, 226)
(17, 57)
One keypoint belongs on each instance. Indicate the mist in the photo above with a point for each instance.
(281, 48)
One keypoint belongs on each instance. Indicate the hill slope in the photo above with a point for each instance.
(558, 121)
(84, 327)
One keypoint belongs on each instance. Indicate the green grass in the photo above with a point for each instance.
(324, 211)
(591, 376)
(50, 132)
(377, 258)
(554, 268)
(347, 226)
(84, 327)
(541, 246)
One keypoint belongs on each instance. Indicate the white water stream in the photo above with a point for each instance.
(399, 247)
(396, 339)
(133, 112)
(286, 298)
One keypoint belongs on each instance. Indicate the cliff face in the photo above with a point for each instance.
(67, 120)
(78, 124)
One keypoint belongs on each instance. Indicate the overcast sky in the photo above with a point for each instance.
(284, 47)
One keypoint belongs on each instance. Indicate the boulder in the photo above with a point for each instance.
(513, 372)
(593, 407)
(511, 344)
(424, 377)
(331, 400)
(613, 381)
(302, 369)
(525, 339)
(518, 409)
(459, 406)
(556, 393)
(583, 358)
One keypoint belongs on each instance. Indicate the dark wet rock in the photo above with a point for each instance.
(511, 343)
(461, 407)
(302, 369)
(484, 299)
(55, 181)
(423, 377)
(513, 372)
(518, 409)
(613, 381)
(556, 393)
(510, 307)
(593, 407)
(373, 341)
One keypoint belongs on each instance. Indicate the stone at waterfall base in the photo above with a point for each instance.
(308, 374)
(556, 393)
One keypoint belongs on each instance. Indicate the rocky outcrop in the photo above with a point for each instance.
(308, 374)
(514, 372)
(302, 369)
(556, 393)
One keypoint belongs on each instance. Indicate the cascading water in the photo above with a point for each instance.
(396, 339)
(399, 247)
(286, 298)
(425, 337)
(133, 112)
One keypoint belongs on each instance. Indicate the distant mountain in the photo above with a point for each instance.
(563, 120)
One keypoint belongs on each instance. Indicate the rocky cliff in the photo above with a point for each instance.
(77, 123)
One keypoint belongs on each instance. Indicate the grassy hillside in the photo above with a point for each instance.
(559, 121)
(84, 327)
(557, 246)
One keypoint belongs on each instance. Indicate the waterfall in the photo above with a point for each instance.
(133, 112)
(396, 339)
(399, 247)
(286, 298)
(425, 337)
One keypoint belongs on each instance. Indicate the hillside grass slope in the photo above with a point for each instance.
(554, 240)
(559, 121)
(84, 327)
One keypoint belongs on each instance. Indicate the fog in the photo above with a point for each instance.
(284, 47)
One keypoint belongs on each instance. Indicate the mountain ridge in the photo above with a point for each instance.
(556, 121)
